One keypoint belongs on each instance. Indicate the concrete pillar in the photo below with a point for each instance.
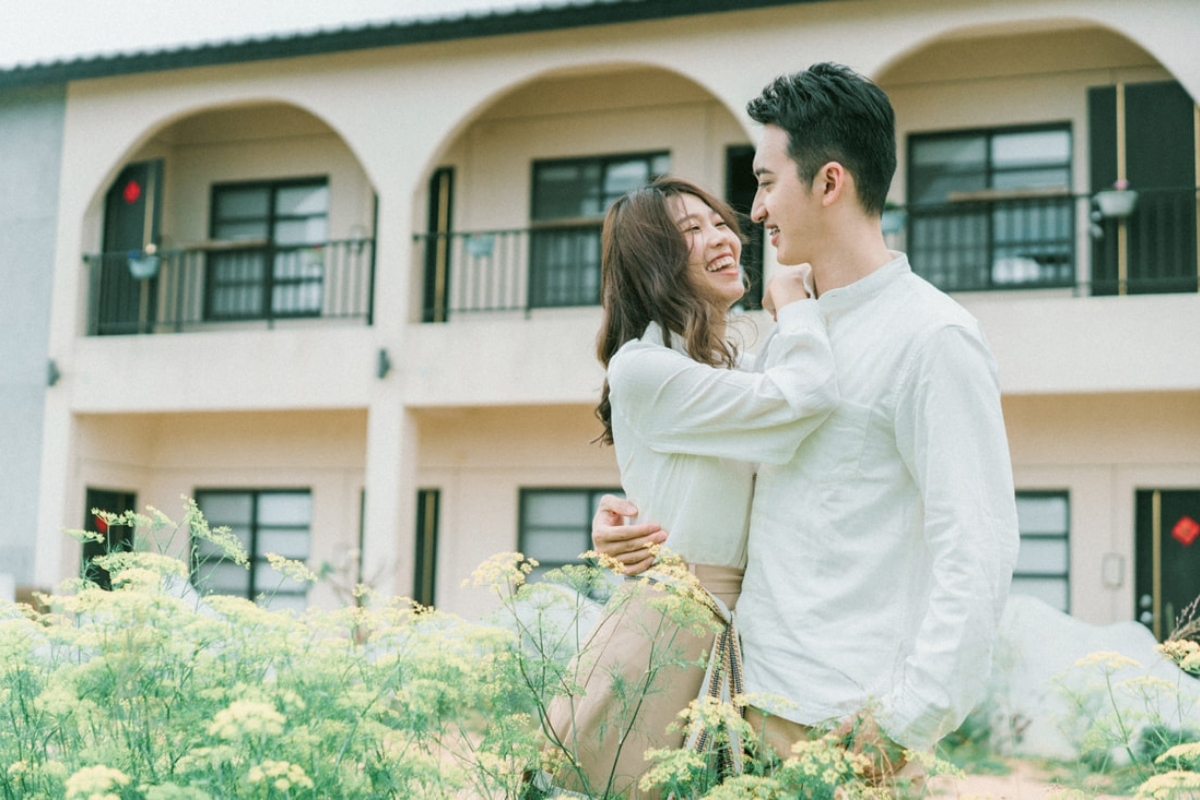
(389, 543)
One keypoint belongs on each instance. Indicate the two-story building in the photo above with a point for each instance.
(341, 287)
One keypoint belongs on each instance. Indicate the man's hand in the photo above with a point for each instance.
(862, 734)
(787, 285)
(628, 544)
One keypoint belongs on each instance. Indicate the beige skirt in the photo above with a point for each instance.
(639, 669)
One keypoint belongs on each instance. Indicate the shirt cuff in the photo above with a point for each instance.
(912, 722)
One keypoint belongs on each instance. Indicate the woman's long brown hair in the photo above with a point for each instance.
(644, 279)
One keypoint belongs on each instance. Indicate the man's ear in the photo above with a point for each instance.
(831, 181)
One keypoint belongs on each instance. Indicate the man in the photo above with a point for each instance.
(880, 556)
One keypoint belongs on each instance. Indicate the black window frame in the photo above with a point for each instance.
(264, 251)
(200, 559)
(969, 238)
(559, 238)
(1065, 537)
(524, 527)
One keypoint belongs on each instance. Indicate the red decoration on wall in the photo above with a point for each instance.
(1186, 530)
(132, 191)
(101, 525)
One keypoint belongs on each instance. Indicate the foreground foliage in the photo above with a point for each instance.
(146, 692)
(152, 692)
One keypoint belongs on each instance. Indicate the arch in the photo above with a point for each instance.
(1085, 20)
(146, 136)
(495, 95)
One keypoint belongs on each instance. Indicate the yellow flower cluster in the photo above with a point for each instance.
(95, 783)
(826, 759)
(502, 571)
(1184, 652)
(291, 568)
(1174, 785)
(1108, 661)
(281, 774)
(246, 718)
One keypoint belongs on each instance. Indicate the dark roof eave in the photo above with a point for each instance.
(467, 26)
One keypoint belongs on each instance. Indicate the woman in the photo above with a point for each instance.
(688, 428)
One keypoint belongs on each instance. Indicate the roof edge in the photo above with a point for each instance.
(407, 32)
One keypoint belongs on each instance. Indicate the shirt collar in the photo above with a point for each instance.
(654, 335)
(869, 286)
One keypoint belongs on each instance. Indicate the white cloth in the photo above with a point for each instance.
(881, 554)
(685, 433)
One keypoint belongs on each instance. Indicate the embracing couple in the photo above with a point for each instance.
(857, 469)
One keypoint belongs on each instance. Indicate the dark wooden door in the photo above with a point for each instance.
(114, 538)
(125, 304)
(1168, 556)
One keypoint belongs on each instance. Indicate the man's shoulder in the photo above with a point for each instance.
(928, 308)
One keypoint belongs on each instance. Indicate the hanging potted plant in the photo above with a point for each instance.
(1119, 201)
(144, 265)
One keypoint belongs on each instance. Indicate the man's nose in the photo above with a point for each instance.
(758, 209)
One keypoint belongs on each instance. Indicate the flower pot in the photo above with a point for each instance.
(143, 267)
(1116, 202)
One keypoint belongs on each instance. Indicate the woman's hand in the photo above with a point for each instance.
(787, 285)
(628, 544)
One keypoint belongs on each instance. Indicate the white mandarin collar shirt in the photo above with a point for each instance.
(687, 435)
(880, 554)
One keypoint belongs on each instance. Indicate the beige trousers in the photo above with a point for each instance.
(628, 702)
(780, 734)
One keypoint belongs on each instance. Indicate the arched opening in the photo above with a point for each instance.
(248, 215)
(514, 201)
(1018, 146)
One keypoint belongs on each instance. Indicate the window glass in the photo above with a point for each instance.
(1044, 560)
(1042, 513)
(264, 522)
(243, 203)
(979, 216)
(280, 508)
(556, 524)
(301, 231)
(575, 194)
(284, 219)
(309, 200)
(1031, 149)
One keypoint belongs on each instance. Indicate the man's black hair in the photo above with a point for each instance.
(831, 113)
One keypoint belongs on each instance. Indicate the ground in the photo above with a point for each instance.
(1026, 781)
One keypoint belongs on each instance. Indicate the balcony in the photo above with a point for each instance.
(509, 270)
(976, 243)
(243, 284)
(992, 241)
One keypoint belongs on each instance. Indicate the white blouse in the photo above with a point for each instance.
(688, 436)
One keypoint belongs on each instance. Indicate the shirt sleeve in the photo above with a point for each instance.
(950, 433)
(678, 405)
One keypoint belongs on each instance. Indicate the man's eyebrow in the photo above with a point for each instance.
(762, 171)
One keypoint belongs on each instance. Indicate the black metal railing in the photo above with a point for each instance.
(509, 270)
(984, 242)
(1038, 241)
(171, 291)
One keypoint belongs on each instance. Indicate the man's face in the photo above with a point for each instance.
(784, 203)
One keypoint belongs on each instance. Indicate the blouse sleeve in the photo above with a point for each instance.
(677, 405)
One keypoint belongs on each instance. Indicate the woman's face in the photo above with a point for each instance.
(714, 251)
